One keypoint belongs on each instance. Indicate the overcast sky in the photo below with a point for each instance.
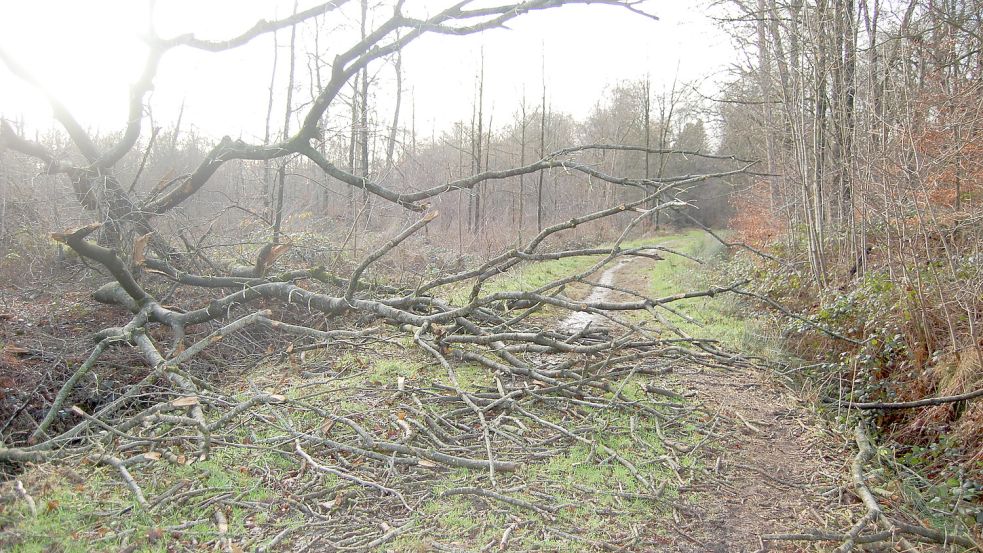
(88, 52)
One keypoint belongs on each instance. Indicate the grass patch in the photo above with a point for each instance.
(719, 317)
(91, 510)
(526, 277)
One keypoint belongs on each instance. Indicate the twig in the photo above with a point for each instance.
(786, 312)
(345, 476)
(499, 497)
(125, 475)
(866, 452)
(19, 488)
(928, 402)
(353, 282)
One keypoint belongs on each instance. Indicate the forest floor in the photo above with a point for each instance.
(737, 454)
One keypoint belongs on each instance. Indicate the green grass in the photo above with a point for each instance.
(583, 482)
(63, 509)
(719, 317)
(524, 277)
(99, 514)
(470, 522)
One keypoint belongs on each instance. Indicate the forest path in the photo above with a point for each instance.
(578, 320)
(768, 461)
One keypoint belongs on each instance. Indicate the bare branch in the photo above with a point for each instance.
(353, 282)
(81, 138)
(261, 27)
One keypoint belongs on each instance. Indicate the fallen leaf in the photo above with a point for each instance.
(154, 534)
(140, 250)
(185, 401)
(17, 350)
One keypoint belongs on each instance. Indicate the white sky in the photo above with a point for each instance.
(87, 53)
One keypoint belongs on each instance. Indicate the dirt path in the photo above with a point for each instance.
(578, 320)
(767, 465)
